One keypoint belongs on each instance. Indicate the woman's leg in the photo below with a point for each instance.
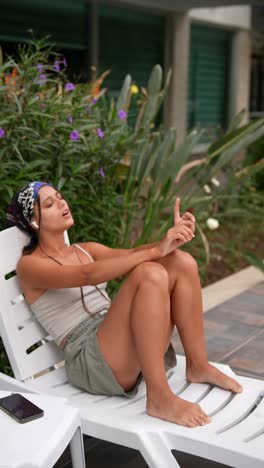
(187, 315)
(134, 336)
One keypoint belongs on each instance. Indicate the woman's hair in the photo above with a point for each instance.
(29, 248)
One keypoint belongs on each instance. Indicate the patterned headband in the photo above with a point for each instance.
(20, 210)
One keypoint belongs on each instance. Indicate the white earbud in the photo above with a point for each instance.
(34, 223)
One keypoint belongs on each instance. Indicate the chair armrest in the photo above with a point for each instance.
(10, 383)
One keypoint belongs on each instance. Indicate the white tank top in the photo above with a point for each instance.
(61, 310)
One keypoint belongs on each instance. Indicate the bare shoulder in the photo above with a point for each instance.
(96, 250)
(26, 260)
(25, 264)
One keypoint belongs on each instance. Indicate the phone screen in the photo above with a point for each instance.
(19, 406)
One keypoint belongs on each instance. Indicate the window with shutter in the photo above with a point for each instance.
(209, 79)
(129, 42)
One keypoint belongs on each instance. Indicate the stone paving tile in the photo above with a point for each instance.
(220, 341)
(234, 335)
(233, 332)
(249, 358)
(236, 312)
(258, 289)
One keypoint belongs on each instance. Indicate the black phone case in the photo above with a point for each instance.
(22, 420)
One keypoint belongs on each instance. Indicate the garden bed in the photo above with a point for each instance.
(228, 245)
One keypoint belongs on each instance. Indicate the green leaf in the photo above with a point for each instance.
(10, 191)
(81, 168)
(18, 153)
(61, 182)
(121, 102)
(235, 123)
(254, 260)
(37, 162)
(87, 126)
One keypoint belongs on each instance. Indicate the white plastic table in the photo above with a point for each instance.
(40, 443)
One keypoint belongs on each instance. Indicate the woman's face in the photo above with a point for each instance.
(53, 207)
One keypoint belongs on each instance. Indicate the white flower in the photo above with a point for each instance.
(207, 188)
(215, 182)
(212, 223)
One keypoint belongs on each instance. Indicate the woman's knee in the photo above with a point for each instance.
(151, 272)
(185, 262)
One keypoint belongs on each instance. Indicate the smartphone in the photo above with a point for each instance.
(20, 408)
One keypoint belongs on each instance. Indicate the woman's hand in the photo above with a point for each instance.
(175, 236)
(186, 215)
(179, 234)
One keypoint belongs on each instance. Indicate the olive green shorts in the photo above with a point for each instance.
(86, 366)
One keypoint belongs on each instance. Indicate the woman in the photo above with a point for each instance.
(110, 346)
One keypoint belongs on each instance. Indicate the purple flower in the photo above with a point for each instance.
(64, 61)
(2, 132)
(94, 101)
(42, 79)
(122, 114)
(39, 67)
(100, 133)
(70, 119)
(102, 174)
(119, 200)
(57, 65)
(75, 135)
(69, 87)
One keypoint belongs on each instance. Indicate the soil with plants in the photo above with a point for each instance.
(229, 245)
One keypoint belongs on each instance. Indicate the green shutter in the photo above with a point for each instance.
(64, 20)
(129, 42)
(209, 79)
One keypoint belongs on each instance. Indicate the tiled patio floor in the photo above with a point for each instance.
(234, 332)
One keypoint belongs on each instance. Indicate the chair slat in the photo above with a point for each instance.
(43, 357)
(52, 378)
(13, 288)
(31, 334)
(20, 313)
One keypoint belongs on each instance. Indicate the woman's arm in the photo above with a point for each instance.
(101, 251)
(44, 273)
(144, 246)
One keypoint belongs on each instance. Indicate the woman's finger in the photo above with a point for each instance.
(184, 222)
(177, 210)
(188, 215)
(180, 237)
(188, 232)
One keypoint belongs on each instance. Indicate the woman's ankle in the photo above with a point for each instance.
(158, 394)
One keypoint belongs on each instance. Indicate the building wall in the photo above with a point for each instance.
(234, 17)
(237, 20)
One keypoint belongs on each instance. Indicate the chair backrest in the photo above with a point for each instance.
(19, 327)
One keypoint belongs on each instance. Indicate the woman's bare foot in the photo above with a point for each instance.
(210, 374)
(177, 410)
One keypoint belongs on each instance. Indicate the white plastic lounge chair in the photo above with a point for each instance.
(40, 443)
(234, 437)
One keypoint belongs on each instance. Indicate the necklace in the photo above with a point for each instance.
(98, 289)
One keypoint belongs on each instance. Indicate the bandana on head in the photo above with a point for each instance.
(20, 210)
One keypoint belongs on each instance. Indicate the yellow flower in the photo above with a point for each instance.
(134, 89)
